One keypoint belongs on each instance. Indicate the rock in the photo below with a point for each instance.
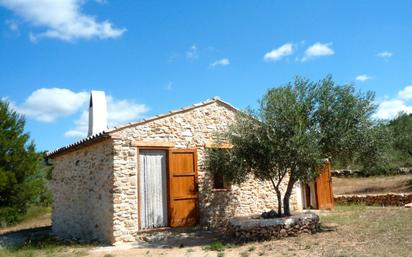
(269, 214)
(259, 229)
(409, 205)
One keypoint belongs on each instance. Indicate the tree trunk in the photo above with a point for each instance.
(278, 195)
(286, 198)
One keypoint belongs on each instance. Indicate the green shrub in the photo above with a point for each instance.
(9, 216)
(216, 246)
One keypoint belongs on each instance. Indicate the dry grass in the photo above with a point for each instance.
(373, 185)
(346, 231)
(37, 216)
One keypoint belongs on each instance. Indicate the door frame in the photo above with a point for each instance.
(168, 151)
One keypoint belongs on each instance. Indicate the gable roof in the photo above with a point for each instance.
(106, 133)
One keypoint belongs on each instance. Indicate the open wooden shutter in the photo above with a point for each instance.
(324, 193)
(183, 192)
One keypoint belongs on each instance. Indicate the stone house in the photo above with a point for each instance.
(150, 174)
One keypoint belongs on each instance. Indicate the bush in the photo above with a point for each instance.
(8, 216)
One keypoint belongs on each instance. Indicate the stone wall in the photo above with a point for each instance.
(187, 129)
(390, 199)
(248, 229)
(359, 173)
(81, 187)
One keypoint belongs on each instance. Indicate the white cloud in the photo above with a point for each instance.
(221, 62)
(384, 54)
(388, 109)
(118, 112)
(192, 53)
(316, 50)
(406, 93)
(363, 77)
(169, 86)
(49, 104)
(123, 111)
(61, 19)
(13, 25)
(81, 126)
(280, 52)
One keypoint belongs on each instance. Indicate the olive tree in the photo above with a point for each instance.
(401, 128)
(295, 127)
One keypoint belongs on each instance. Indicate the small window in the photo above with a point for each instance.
(217, 162)
(218, 182)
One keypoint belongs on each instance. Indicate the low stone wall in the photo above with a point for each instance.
(249, 229)
(358, 173)
(345, 173)
(390, 199)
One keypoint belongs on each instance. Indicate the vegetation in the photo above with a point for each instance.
(296, 127)
(386, 148)
(372, 184)
(348, 230)
(401, 129)
(45, 245)
(215, 246)
(22, 174)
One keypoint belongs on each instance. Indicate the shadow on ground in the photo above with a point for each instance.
(42, 237)
(327, 228)
(22, 237)
(36, 239)
(179, 237)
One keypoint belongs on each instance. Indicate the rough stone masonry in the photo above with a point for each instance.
(94, 185)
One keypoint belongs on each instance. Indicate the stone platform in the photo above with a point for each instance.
(256, 229)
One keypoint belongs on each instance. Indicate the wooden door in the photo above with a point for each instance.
(183, 193)
(324, 193)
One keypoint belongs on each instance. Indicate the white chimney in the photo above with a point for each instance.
(97, 112)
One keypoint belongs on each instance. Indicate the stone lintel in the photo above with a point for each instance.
(222, 146)
(152, 144)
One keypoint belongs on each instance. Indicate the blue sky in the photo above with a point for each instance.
(154, 56)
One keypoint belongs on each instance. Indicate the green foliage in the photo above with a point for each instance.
(8, 216)
(18, 164)
(216, 246)
(385, 147)
(401, 128)
(296, 127)
(344, 118)
(222, 162)
(373, 157)
(38, 184)
(45, 244)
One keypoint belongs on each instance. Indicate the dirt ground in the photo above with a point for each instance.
(373, 185)
(354, 230)
(346, 231)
